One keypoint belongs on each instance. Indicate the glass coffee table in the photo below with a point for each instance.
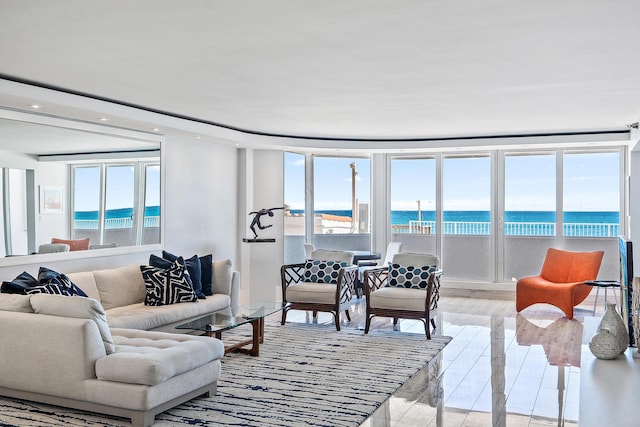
(213, 324)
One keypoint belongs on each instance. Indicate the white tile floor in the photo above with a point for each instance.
(500, 369)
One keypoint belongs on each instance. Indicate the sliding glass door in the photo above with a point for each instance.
(467, 233)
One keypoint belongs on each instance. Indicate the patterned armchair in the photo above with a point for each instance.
(325, 282)
(409, 288)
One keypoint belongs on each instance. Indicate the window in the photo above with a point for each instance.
(466, 202)
(341, 188)
(294, 203)
(413, 204)
(106, 205)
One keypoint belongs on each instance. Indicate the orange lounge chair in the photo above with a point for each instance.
(561, 281)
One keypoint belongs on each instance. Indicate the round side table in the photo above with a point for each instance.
(605, 284)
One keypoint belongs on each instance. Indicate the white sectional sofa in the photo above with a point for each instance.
(121, 292)
(72, 352)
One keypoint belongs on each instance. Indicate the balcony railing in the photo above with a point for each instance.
(114, 223)
(510, 228)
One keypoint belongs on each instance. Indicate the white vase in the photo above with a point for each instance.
(612, 338)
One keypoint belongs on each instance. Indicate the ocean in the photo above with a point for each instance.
(115, 213)
(403, 217)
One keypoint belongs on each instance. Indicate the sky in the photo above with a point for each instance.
(591, 182)
(120, 187)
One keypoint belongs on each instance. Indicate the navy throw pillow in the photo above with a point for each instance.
(56, 283)
(19, 285)
(206, 265)
(195, 271)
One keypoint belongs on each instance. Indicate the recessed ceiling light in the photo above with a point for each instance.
(104, 119)
(36, 106)
(156, 129)
(198, 137)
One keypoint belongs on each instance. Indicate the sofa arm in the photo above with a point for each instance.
(235, 289)
(48, 354)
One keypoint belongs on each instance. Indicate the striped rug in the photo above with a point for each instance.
(306, 375)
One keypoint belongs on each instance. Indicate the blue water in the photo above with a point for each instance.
(403, 217)
(115, 213)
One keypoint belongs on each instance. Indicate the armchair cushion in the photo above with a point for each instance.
(406, 299)
(316, 271)
(305, 292)
(401, 276)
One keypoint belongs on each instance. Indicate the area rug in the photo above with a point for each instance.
(306, 375)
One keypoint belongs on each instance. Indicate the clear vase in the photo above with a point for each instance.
(612, 338)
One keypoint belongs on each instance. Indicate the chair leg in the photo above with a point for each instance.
(346, 312)
(395, 321)
(433, 322)
(427, 329)
(367, 323)
(336, 316)
(315, 314)
(284, 316)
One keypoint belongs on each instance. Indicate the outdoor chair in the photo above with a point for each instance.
(49, 248)
(409, 288)
(392, 249)
(561, 280)
(325, 282)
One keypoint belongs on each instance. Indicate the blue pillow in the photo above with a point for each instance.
(19, 285)
(316, 271)
(206, 265)
(193, 267)
(409, 277)
(46, 276)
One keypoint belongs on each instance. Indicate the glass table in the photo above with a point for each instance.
(213, 324)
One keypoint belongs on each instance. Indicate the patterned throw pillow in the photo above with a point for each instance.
(167, 286)
(52, 282)
(316, 271)
(409, 277)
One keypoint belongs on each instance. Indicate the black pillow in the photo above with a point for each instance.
(19, 285)
(193, 267)
(206, 265)
(46, 276)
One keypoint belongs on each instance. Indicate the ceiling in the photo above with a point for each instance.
(357, 69)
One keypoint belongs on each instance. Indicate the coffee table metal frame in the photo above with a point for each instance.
(213, 324)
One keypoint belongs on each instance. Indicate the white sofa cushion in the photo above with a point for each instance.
(324, 293)
(150, 358)
(140, 316)
(16, 302)
(85, 281)
(222, 274)
(120, 286)
(77, 307)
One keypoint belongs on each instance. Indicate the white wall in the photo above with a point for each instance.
(261, 176)
(200, 198)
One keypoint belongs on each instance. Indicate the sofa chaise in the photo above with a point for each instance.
(108, 353)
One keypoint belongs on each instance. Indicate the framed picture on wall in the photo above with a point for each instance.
(51, 199)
